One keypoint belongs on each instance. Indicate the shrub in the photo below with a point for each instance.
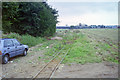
(25, 39)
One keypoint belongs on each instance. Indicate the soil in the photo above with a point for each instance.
(89, 70)
(0, 71)
(30, 65)
(24, 67)
(56, 38)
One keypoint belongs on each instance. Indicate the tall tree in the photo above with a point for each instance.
(34, 18)
(9, 11)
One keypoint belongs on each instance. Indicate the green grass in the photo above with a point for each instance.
(82, 48)
(111, 34)
(107, 51)
(25, 39)
(81, 52)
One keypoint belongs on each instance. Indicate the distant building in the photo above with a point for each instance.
(93, 26)
(80, 26)
(84, 26)
(63, 27)
(111, 26)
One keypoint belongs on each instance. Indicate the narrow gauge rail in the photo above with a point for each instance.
(49, 69)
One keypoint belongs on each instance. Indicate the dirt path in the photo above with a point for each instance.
(24, 67)
(90, 70)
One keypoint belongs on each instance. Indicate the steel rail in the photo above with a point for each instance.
(33, 78)
(53, 72)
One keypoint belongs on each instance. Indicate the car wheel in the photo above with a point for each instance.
(24, 53)
(5, 59)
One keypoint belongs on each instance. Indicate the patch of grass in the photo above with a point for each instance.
(30, 61)
(81, 52)
(46, 61)
(25, 39)
(107, 34)
(106, 49)
(57, 46)
(82, 49)
(16, 60)
(39, 58)
(31, 41)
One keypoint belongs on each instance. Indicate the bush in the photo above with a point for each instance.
(25, 39)
(31, 41)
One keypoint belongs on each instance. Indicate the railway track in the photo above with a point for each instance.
(50, 68)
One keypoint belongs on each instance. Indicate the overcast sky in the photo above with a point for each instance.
(91, 13)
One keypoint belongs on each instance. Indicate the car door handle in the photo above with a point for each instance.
(8, 48)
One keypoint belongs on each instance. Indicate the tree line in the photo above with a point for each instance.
(33, 18)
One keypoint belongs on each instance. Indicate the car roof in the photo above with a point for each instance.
(7, 39)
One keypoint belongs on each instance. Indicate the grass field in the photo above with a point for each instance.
(86, 45)
(89, 45)
(108, 34)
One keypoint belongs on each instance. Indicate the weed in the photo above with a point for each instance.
(25, 39)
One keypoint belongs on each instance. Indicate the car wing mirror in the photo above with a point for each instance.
(21, 44)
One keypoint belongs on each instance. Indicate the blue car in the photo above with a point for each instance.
(11, 48)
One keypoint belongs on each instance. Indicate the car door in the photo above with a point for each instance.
(18, 47)
(9, 47)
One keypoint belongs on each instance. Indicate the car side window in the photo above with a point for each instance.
(8, 43)
(16, 43)
(0, 42)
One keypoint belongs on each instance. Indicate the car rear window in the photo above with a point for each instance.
(8, 43)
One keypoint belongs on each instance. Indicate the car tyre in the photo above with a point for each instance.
(5, 59)
(25, 53)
